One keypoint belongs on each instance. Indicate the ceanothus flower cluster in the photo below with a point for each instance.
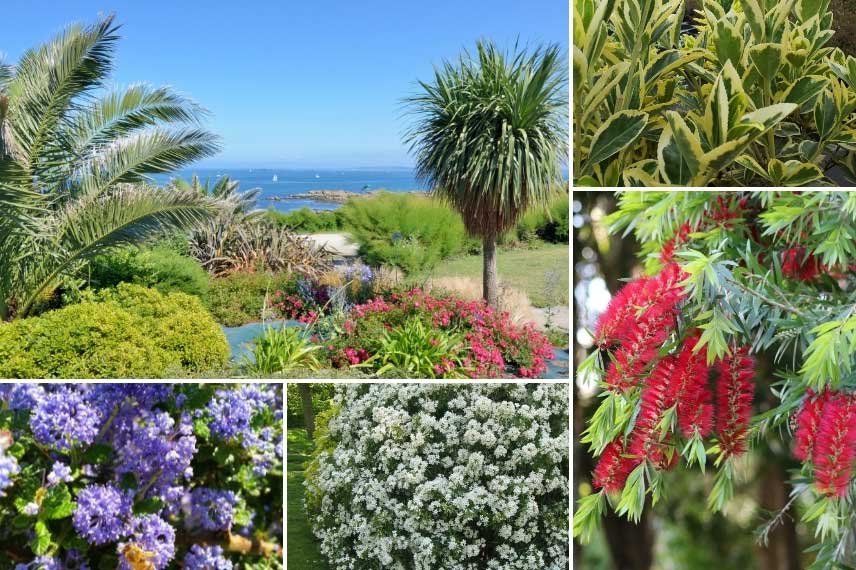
(118, 463)
(444, 476)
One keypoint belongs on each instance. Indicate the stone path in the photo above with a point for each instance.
(337, 244)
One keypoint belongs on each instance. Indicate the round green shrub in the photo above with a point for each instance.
(158, 267)
(306, 221)
(127, 332)
(407, 231)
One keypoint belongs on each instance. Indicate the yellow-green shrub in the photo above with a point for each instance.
(129, 332)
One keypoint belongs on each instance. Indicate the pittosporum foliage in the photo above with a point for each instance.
(730, 278)
(140, 476)
(749, 96)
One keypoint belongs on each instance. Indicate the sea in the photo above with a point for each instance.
(278, 183)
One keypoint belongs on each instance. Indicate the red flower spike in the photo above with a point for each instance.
(645, 439)
(808, 420)
(797, 265)
(688, 389)
(734, 392)
(613, 468)
(835, 448)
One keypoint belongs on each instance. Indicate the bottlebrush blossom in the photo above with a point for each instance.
(645, 440)
(688, 389)
(613, 468)
(640, 321)
(734, 392)
(796, 264)
(808, 420)
(835, 448)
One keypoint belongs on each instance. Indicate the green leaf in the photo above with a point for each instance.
(201, 429)
(57, 503)
(587, 518)
(632, 500)
(825, 114)
(755, 17)
(805, 89)
(98, 454)
(41, 542)
(767, 59)
(807, 9)
(728, 43)
(618, 132)
(688, 145)
(149, 506)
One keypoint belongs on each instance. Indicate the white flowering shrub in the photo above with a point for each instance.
(427, 476)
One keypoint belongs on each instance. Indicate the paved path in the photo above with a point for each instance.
(337, 244)
(560, 318)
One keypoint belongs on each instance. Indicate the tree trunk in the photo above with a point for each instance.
(783, 550)
(490, 289)
(308, 412)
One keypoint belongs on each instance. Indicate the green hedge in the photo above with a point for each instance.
(127, 332)
(408, 231)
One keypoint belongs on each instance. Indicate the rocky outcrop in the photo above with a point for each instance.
(331, 196)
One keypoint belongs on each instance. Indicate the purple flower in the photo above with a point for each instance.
(8, 469)
(41, 563)
(211, 509)
(155, 537)
(206, 558)
(60, 473)
(63, 421)
(153, 446)
(102, 514)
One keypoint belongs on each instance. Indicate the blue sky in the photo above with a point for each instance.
(294, 84)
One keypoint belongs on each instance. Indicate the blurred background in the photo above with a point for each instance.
(680, 533)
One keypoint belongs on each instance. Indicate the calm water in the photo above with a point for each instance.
(300, 181)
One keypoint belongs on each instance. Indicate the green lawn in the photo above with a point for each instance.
(301, 546)
(541, 272)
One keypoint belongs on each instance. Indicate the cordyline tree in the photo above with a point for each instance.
(489, 137)
(730, 277)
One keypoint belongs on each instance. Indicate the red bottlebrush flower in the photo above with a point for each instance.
(642, 335)
(723, 214)
(797, 265)
(808, 420)
(688, 389)
(613, 468)
(645, 439)
(734, 392)
(622, 309)
(835, 448)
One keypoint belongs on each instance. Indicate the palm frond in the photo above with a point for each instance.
(122, 112)
(91, 225)
(46, 82)
(132, 158)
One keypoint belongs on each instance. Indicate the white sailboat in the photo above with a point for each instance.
(275, 178)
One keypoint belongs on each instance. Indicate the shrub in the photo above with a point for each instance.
(306, 221)
(407, 231)
(549, 224)
(159, 267)
(140, 476)
(127, 332)
(443, 476)
(242, 298)
(280, 350)
(753, 99)
(494, 345)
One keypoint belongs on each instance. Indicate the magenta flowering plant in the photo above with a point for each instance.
(140, 476)
(492, 346)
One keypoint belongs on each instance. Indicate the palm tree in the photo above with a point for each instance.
(225, 190)
(74, 160)
(489, 137)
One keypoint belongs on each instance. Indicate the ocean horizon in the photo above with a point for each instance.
(282, 182)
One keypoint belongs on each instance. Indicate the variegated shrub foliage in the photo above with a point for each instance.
(751, 96)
